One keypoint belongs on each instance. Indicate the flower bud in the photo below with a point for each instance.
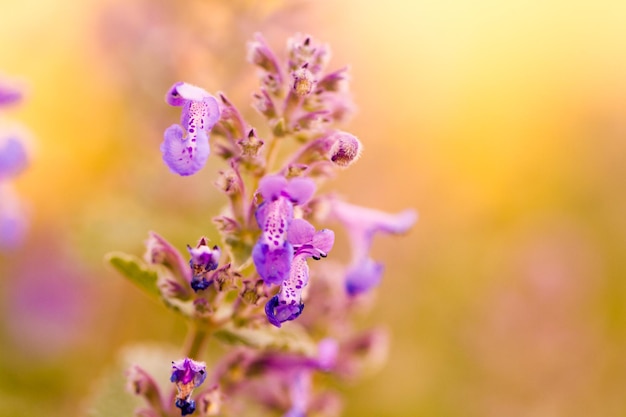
(251, 144)
(140, 383)
(345, 149)
(210, 401)
(303, 81)
(260, 54)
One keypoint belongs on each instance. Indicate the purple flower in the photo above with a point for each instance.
(273, 253)
(362, 223)
(9, 94)
(307, 243)
(13, 160)
(186, 154)
(13, 157)
(13, 223)
(187, 374)
(203, 260)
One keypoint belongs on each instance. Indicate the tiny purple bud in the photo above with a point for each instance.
(260, 54)
(345, 149)
(203, 260)
(251, 144)
(303, 81)
(140, 383)
(264, 104)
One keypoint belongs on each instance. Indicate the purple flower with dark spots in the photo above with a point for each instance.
(362, 223)
(186, 146)
(203, 260)
(187, 374)
(307, 243)
(273, 253)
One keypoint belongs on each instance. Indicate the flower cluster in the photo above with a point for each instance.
(13, 160)
(245, 290)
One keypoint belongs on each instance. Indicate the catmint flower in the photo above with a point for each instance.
(187, 374)
(203, 260)
(307, 243)
(273, 253)
(13, 156)
(362, 223)
(186, 146)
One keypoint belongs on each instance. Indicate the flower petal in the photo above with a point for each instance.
(364, 276)
(300, 190)
(13, 157)
(271, 186)
(182, 156)
(272, 265)
(300, 232)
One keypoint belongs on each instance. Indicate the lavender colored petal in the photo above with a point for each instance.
(324, 240)
(272, 265)
(173, 97)
(278, 314)
(187, 370)
(300, 190)
(373, 220)
(213, 109)
(183, 156)
(13, 157)
(300, 232)
(363, 277)
(261, 213)
(191, 92)
(271, 186)
(327, 353)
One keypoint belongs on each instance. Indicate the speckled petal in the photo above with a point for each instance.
(272, 265)
(184, 156)
(300, 232)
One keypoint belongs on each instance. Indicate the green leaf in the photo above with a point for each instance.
(293, 339)
(136, 271)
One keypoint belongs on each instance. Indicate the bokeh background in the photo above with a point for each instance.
(502, 123)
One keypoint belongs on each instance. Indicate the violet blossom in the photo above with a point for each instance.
(307, 243)
(186, 148)
(362, 224)
(273, 253)
(187, 375)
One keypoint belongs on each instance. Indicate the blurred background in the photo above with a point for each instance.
(502, 123)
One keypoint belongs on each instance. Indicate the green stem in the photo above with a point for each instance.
(196, 340)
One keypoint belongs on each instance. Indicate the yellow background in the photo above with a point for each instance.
(501, 122)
